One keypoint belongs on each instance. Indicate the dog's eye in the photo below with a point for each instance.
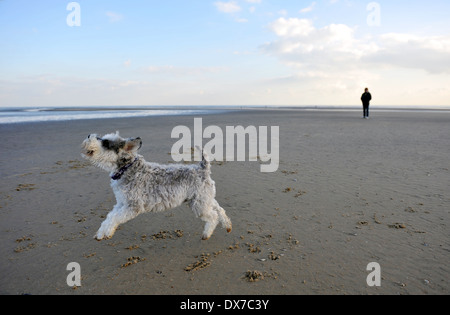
(106, 144)
(90, 152)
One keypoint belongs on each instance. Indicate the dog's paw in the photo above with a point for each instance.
(101, 237)
(98, 238)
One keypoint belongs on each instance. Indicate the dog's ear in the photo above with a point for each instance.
(132, 144)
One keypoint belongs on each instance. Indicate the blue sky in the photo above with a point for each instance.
(238, 52)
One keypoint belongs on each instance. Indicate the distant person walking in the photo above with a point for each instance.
(366, 98)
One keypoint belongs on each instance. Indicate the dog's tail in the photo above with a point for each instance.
(205, 164)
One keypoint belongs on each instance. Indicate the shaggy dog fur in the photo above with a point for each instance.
(141, 187)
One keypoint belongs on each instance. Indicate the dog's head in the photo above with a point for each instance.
(111, 151)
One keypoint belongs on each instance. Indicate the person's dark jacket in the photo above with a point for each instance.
(366, 98)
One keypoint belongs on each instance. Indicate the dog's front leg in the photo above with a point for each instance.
(119, 215)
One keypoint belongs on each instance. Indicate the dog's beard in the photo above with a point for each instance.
(101, 159)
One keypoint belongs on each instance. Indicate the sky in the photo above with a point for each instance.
(238, 52)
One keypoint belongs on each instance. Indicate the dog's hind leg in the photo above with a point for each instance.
(212, 219)
(223, 218)
(205, 212)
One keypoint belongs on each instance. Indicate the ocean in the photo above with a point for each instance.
(28, 114)
(15, 115)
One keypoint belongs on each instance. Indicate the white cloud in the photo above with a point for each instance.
(114, 17)
(292, 27)
(183, 71)
(431, 54)
(336, 46)
(252, 9)
(339, 59)
(241, 20)
(227, 7)
(308, 9)
(299, 39)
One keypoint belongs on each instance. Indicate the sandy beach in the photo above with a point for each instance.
(348, 192)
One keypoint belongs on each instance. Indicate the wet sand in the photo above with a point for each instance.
(348, 192)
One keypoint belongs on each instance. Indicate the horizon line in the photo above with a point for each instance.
(194, 107)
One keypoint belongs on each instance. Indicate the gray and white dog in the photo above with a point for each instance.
(141, 187)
